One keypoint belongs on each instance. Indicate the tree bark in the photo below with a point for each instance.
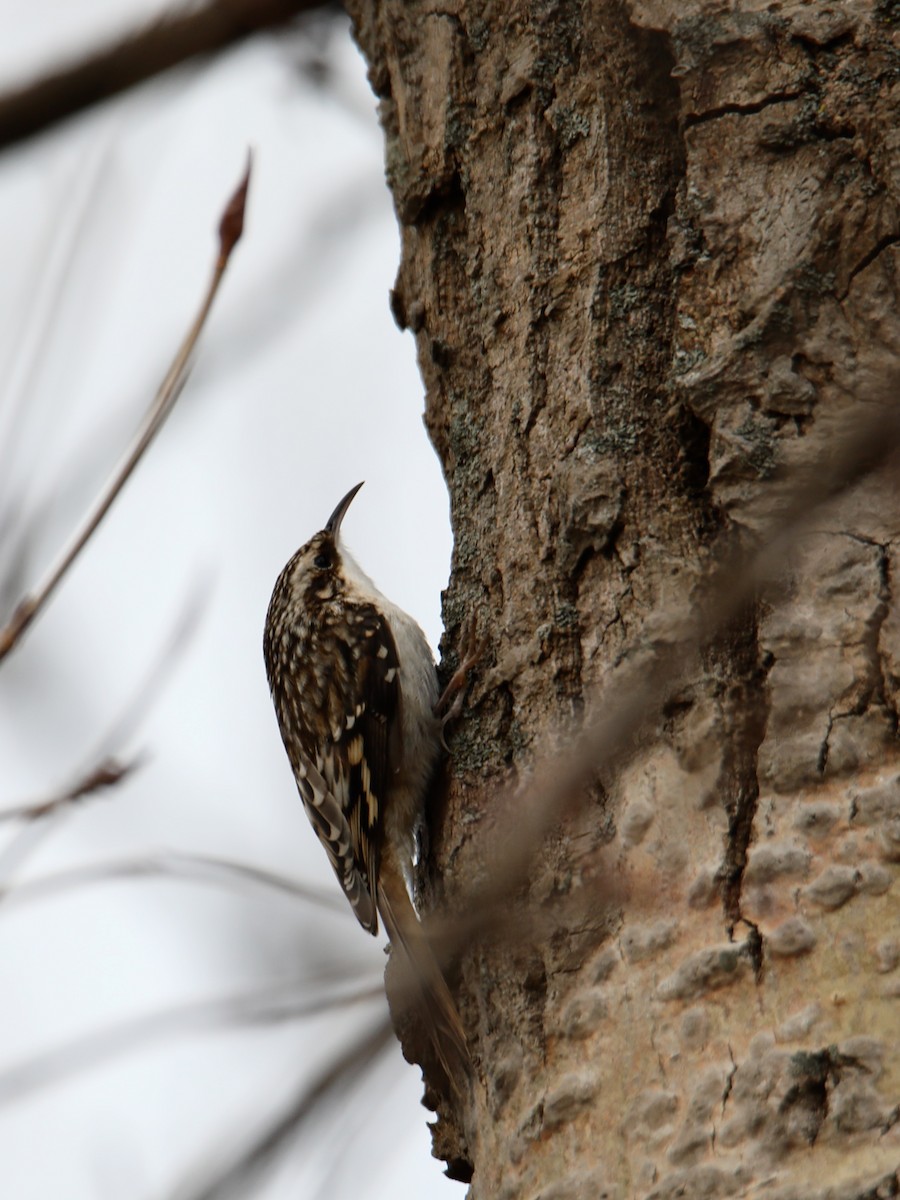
(649, 255)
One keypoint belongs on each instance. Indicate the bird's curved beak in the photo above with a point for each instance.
(334, 521)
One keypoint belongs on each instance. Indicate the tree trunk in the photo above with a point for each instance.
(649, 256)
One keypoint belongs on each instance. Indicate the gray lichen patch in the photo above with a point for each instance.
(887, 954)
(636, 821)
(817, 818)
(571, 1094)
(875, 879)
(705, 888)
(792, 937)
(799, 1025)
(641, 942)
(774, 860)
(706, 971)
(652, 1114)
(583, 1014)
(872, 805)
(774, 869)
(833, 887)
(695, 1028)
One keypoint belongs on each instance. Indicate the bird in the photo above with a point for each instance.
(355, 690)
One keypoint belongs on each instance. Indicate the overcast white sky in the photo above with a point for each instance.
(303, 387)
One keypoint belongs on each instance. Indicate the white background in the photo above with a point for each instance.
(302, 387)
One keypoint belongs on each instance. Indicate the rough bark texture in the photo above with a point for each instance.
(649, 254)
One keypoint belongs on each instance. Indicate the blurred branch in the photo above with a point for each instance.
(42, 816)
(105, 768)
(175, 866)
(105, 774)
(30, 330)
(289, 1001)
(258, 1155)
(230, 229)
(171, 40)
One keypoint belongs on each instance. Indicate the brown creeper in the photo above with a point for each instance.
(354, 686)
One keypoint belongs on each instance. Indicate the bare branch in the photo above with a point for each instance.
(173, 39)
(31, 334)
(105, 774)
(43, 816)
(288, 1001)
(259, 1154)
(163, 403)
(174, 866)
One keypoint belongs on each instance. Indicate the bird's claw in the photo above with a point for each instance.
(472, 651)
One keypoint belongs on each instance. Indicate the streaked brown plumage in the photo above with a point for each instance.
(354, 686)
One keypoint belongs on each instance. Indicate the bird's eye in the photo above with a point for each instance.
(322, 561)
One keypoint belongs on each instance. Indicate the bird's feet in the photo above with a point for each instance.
(451, 700)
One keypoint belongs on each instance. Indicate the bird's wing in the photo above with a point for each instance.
(343, 777)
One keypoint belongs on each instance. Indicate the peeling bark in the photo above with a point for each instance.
(649, 256)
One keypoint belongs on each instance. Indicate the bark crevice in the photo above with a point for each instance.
(746, 709)
(748, 109)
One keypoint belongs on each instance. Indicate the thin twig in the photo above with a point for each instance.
(173, 39)
(105, 774)
(288, 1001)
(41, 817)
(230, 229)
(46, 814)
(30, 335)
(177, 867)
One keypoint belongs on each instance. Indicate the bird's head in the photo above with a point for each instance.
(316, 569)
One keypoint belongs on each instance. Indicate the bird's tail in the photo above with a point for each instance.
(425, 979)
